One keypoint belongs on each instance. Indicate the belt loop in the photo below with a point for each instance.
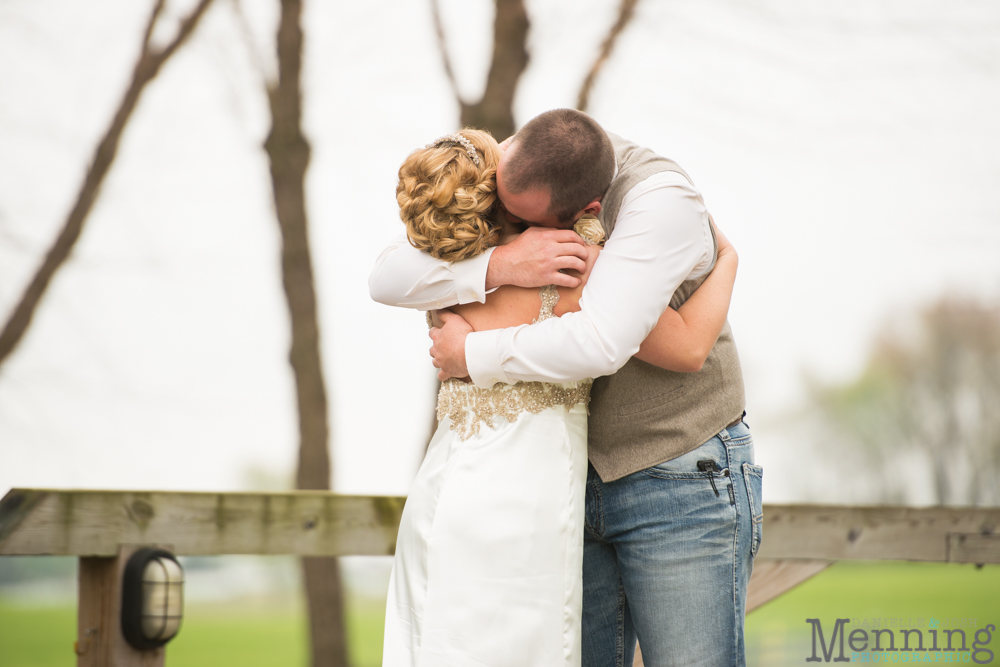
(724, 436)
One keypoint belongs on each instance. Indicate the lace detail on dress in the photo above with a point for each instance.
(550, 297)
(468, 406)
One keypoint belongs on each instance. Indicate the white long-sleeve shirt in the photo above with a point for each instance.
(662, 237)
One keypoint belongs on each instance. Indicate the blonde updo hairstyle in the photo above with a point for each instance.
(448, 203)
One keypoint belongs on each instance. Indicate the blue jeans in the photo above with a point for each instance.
(667, 558)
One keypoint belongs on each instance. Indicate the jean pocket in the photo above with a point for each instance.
(754, 478)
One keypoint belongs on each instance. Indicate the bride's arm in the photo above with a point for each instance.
(680, 341)
(683, 339)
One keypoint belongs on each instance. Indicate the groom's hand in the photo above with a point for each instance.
(536, 258)
(448, 350)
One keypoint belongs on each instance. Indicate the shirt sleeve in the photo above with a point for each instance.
(410, 278)
(661, 238)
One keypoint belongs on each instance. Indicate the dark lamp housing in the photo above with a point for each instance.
(152, 598)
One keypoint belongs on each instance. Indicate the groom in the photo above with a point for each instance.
(673, 499)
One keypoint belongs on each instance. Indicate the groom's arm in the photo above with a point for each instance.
(662, 237)
(410, 278)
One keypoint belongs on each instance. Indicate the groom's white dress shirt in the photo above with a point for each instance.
(662, 237)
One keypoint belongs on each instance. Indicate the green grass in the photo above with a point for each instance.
(777, 633)
(248, 634)
(269, 634)
(37, 637)
(240, 635)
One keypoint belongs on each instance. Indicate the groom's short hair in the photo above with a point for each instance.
(566, 151)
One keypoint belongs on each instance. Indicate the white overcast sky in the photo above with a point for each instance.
(849, 149)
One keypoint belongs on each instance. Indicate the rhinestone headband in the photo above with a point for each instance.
(458, 139)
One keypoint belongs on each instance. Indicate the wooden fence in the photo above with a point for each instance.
(104, 527)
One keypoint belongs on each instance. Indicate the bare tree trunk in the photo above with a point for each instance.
(325, 597)
(146, 68)
(494, 112)
(288, 151)
(626, 10)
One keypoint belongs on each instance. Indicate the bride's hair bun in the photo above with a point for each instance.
(447, 201)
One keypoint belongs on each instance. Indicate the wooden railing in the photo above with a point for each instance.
(95, 523)
(103, 527)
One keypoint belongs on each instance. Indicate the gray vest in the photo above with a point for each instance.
(643, 415)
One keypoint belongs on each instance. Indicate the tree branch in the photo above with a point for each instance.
(187, 27)
(495, 111)
(443, 48)
(626, 10)
(146, 68)
(151, 24)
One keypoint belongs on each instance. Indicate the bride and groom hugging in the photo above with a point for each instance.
(569, 271)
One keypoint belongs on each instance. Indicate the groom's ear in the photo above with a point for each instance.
(593, 208)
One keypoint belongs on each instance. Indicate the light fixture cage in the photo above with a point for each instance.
(152, 598)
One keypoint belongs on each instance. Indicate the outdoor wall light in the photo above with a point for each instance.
(152, 598)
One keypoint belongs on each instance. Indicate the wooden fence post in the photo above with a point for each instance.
(99, 626)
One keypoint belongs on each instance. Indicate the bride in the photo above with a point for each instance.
(488, 571)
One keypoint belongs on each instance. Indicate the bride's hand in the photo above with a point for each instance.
(448, 350)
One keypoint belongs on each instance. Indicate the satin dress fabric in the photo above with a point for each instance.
(489, 556)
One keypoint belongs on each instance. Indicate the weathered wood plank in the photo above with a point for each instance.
(973, 548)
(318, 523)
(14, 507)
(820, 532)
(94, 523)
(771, 578)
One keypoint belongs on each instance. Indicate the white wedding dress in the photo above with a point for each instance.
(489, 557)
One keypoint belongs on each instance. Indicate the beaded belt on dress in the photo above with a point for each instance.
(468, 406)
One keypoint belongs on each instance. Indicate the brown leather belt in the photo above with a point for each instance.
(738, 419)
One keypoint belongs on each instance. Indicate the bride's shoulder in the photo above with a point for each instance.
(507, 306)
